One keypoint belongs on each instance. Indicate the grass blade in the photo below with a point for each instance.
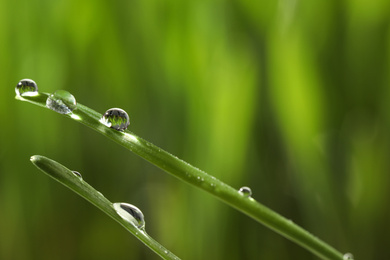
(200, 179)
(66, 177)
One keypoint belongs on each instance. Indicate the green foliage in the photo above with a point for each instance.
(290, 98)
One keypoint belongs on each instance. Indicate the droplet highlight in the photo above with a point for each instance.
(77, 174)
(62, 102)
(348, 256)
(26, 87)
(116, 118)
(246, 191)
(130, 213)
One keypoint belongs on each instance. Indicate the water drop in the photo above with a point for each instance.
(246, 191)
(26, 87)
(348, 256)
(61, 101)
(77, 174)
(130, 213)
(116, 118)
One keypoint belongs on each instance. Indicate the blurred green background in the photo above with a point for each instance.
(288, 97)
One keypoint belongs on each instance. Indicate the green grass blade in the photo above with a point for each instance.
(200, 179)
(66, 177)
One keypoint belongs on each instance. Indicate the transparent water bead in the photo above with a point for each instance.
(77, 174)
(116, 118)
(246, 191)
(26, 87)
(348, 256)
(61, 101)
(130, 213)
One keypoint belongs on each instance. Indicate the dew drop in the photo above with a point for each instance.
(61, 101)
(26, 87)
(246, 191)
(116, 118)
(130, 213)
(348, 256)
(77, 174)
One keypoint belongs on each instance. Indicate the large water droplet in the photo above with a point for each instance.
(26, 87)
(130, 213)
(348, 256)
(116, 118)
(246, 191)
(61, 101)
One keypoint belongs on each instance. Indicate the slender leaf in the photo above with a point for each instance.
(200, 179)
(66, 177)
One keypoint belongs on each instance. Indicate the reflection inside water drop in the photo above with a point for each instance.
(116, 118)
(348, 256)
(61, 101)
(130, 213)
(246, 191)
(26, 87)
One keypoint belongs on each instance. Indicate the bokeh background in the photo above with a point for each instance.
(289, 97)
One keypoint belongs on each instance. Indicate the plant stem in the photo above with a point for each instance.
(200, 179)
(66, 177)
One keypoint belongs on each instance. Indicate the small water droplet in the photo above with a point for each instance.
(61, 101)
(200, 179)
(246, 191)
(116, 118)
(26, 87)
(348, 256)
(77, 174)
(130, 213)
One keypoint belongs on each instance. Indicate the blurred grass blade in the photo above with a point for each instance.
(200, 179)
(66, 177)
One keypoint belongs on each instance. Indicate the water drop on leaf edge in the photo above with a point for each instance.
(130, 213)
(77, 174)
(246, 191)
(26, 87)
(116, 118)
(62, 102)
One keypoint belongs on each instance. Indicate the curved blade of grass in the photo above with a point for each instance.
(66, 177)
(200, 179)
